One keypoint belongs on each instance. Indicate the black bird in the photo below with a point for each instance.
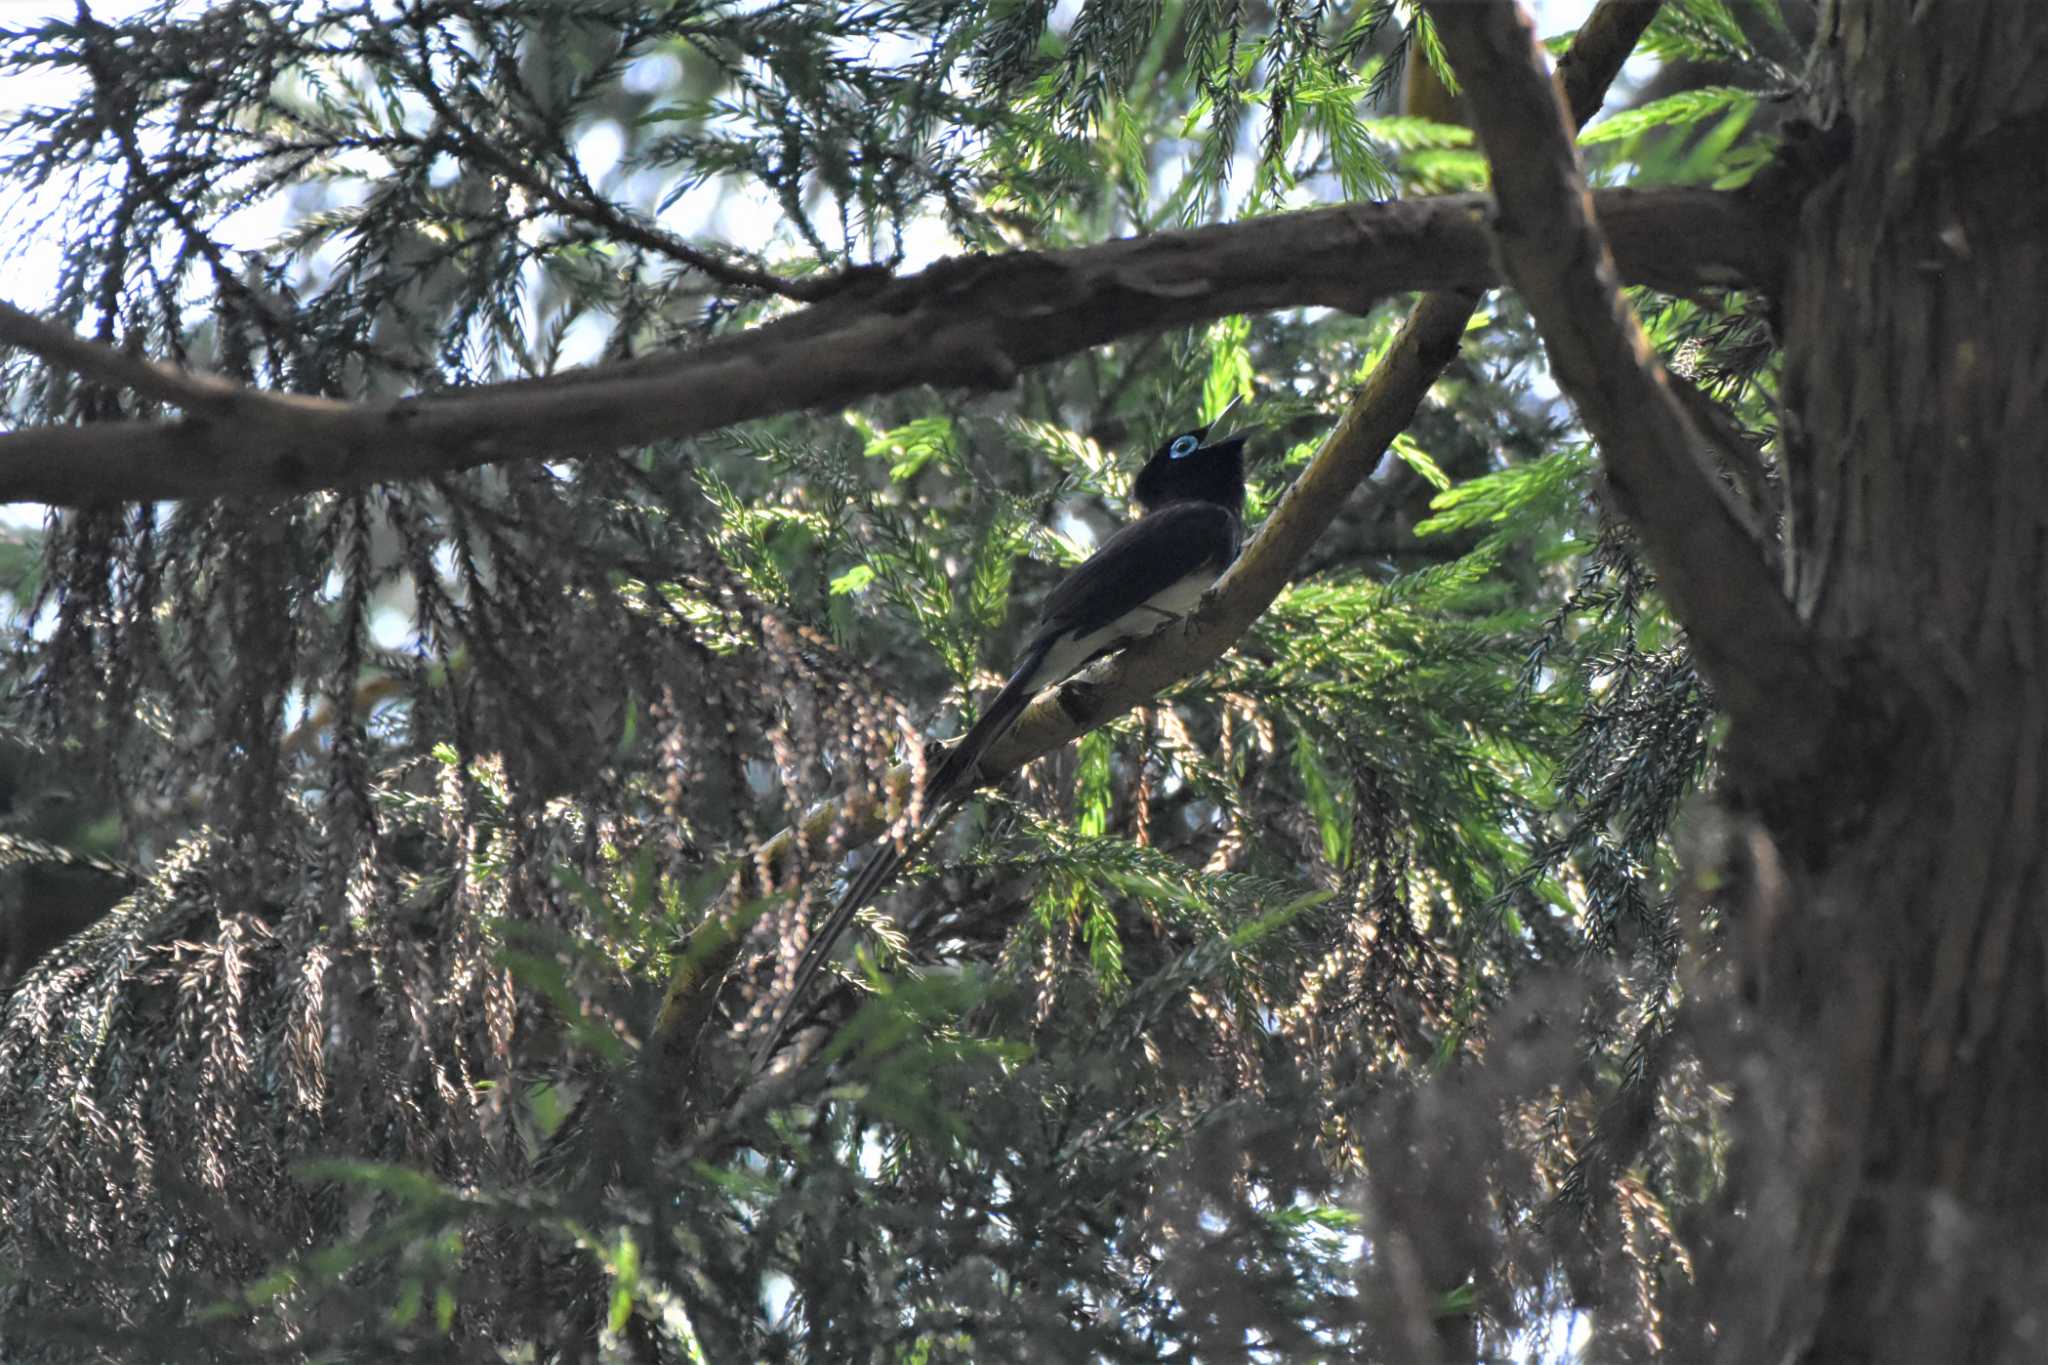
(1149, 572)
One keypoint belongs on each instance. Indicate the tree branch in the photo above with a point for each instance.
(968, 321)
(615, 222)
(66, 350)
(1713, 571)
(1383, 408)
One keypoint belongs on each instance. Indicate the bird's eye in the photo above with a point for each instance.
(1183, 446)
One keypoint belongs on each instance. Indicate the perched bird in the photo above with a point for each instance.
(1149, 572)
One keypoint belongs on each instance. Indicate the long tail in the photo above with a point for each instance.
(955, 776)
(951, 780)
(874, 874)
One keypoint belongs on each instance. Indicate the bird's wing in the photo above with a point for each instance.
(1135, 566)
(1083, 614)
(1139, 562)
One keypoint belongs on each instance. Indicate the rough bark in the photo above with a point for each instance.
(1891, 1187)
(1896, 1165)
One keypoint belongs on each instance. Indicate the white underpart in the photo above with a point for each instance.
(1067, 655)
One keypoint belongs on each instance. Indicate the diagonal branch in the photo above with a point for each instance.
(1712, 569)
(65, 350)
(971, 322)
(1734, 450)
(1427, 342)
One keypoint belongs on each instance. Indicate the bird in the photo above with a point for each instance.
(1191, 496)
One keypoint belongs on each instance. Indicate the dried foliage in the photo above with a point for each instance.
(1323, 1009)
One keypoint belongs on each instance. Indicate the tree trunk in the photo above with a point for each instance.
(1897, 1194)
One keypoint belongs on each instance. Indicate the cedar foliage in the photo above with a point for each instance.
(1325, 1008)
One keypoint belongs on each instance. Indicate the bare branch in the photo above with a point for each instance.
(65, 350)
(971, 322)
(1714, 571)
(609, 219)
(1598, 51)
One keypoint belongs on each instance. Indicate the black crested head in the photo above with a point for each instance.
(1185, 470)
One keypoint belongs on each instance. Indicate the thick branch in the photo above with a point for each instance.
(969, 321)
(1711, 568)
(1427, 342)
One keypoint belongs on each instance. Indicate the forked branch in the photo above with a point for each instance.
(1382, 409)
(1711, 566)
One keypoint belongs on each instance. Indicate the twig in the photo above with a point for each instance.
(616, 224)
(1738, 453)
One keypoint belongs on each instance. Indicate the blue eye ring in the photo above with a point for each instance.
(1183, 446)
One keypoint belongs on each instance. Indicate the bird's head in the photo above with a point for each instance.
(1189, 468)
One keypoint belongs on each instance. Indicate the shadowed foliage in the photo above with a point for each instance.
(389, 901)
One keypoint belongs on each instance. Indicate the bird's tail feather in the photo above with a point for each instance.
(951, 780)
(874, 874)
(955, 776)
